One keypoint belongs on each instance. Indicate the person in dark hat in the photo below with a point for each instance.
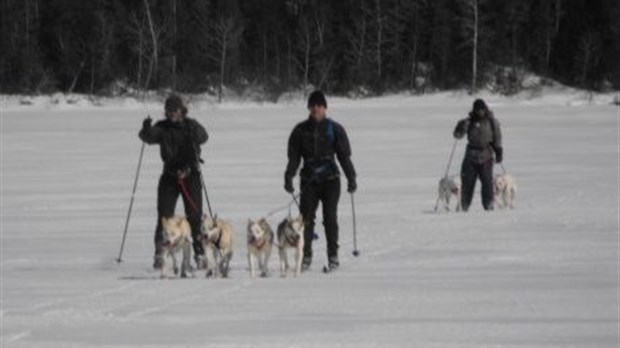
(318, 141)
(179, 138)
(484, 144)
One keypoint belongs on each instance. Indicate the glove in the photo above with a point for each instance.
(352, 187)
(146, 124)
(499, 155)
(288, 185)
(461, 129)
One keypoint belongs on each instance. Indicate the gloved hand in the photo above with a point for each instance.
(461, 129)
(146, 124)
(352, 187)
(288, 185)
(499, 155)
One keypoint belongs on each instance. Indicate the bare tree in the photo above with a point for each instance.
(225, 33)
(154, 46)
(552, 31)
(137, 31)
(356, 37)
(587, 55)
(379, 37)
(470, 24)
(305, 39)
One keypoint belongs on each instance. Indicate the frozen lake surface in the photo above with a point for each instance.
(542, 275)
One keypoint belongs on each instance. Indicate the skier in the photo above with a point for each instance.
(179, 138)
(484, 138)
(317, 140)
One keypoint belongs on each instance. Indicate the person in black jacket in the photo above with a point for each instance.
(179, 138)
(317, 141)
(484, 139)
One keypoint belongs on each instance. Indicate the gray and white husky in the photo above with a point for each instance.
(260, 242)
(291, 236)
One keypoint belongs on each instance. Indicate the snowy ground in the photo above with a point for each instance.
(543, 275)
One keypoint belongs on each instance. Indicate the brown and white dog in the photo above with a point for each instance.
(505, 190)
(450, 186)
(217, 240)
(177, 238)
(291, 236)
(260, 242)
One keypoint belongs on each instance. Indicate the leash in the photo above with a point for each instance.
(193, 204)
(199, 162)
(283, 207)
(503, 168)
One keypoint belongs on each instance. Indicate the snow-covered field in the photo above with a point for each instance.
(543, 275)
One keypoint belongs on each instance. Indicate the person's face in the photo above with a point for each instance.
(176, 116)
(317, 112)
(481, 112)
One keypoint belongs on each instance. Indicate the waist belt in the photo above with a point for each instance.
(479, 148)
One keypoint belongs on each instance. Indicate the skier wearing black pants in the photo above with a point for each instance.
(179, 138)
(318, 140)
(484, 138)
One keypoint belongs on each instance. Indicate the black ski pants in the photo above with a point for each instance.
(328, 194)
(168, 191)
(470, 172)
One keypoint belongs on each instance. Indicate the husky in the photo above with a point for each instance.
(291, 236)
(450, 186)
(177, 238)
(260, 242)
(217, 240)
(505, 190)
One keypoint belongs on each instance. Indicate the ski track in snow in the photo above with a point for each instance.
(542, 275)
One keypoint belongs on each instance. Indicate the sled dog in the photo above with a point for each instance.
(260, 242)
(217, 240)
(504, 189)
(291, 236)
(450, 186)
(177, 238)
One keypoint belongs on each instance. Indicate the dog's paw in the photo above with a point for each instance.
(176, 270)
(183, 275)
(264, 274)
(210, 274)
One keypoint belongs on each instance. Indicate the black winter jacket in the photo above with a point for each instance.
(317, 144)
(484, 136)
(175, 142)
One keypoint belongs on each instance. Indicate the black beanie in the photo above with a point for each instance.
(173, 103)
(317, 98)
(479, 104)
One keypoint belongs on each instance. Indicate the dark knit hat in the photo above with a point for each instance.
(479, 104)
(174, 103)
(317, 98)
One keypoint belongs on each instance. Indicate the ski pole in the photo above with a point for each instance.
(133, 194)
(447, 170)
(356, 252)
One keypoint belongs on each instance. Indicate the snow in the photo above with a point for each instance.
(543, 275)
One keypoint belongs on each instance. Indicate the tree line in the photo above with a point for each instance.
(343, 46)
